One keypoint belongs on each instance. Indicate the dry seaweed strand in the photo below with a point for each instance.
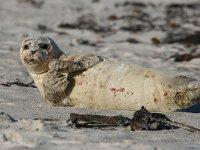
(86, 22)
(34, 3)
(185, 57)
(19, 83)
(185, 126)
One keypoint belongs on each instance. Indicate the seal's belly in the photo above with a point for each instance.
(111, 85)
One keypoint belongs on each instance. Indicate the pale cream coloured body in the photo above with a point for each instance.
(111, 85)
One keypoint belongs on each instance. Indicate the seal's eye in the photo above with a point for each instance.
(26, 47)
(43, 45)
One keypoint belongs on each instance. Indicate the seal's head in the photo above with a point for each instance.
(36, 52)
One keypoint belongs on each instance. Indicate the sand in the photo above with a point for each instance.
(149, 33)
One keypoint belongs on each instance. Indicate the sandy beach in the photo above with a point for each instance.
(161, 34)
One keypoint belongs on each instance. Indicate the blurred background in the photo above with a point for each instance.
(163, 34)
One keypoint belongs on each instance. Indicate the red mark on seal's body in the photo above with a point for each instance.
(113, 89)
(165, 94)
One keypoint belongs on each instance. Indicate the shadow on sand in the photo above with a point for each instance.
(193, 109)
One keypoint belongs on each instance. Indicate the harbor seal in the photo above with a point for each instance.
(50, 67)
(93, 81)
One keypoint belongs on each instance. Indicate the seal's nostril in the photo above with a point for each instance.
(33, 51)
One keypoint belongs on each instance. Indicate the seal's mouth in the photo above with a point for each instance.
(32, 62)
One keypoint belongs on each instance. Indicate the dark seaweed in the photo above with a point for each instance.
(142, 120)
(19, 83)
(86, 22)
